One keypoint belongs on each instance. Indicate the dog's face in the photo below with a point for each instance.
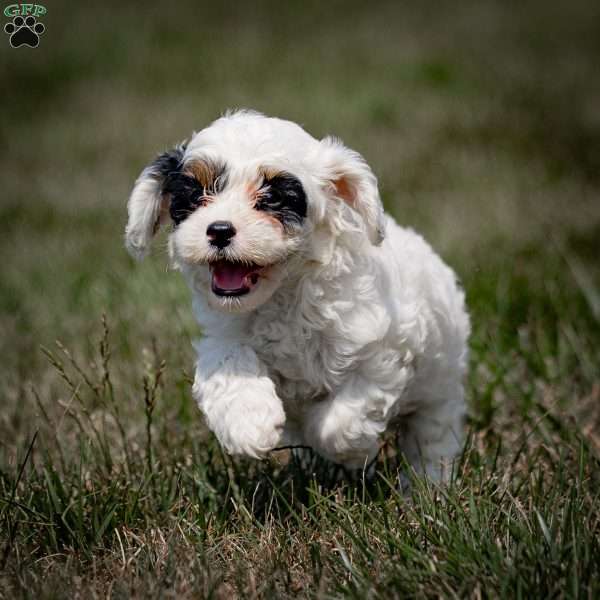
(249, 198)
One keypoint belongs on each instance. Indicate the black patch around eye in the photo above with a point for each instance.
(283, 196)
(186, 194)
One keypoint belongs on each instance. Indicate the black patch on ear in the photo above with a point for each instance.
(283, 196)
(167, 163)
(183, 191)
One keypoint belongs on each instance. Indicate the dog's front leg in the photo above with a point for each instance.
(238, 398)
(345, 428)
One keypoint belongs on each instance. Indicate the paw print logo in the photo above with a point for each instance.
(24, 32)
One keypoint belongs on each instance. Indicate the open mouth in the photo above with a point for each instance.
(231, 278)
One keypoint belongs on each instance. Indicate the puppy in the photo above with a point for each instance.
(324, 322)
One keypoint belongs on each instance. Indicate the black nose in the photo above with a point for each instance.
(220, 232)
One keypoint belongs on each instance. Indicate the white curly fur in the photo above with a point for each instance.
(356, 327)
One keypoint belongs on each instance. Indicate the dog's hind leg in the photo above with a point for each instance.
(432, 437)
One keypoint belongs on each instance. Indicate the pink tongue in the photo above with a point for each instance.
(229, 276)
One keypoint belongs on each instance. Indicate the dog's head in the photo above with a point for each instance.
(251, 198)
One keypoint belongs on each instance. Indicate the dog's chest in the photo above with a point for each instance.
(291, 354)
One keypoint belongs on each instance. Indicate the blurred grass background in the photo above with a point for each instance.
(481, 120)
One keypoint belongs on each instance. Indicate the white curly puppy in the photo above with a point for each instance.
(324, 322)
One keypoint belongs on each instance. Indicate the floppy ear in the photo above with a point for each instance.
(349, 178)
(148, 204)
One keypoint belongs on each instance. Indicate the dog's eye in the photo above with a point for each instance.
(283, 196)
(186, 196)
(271, 201)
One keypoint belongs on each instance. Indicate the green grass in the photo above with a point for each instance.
(482, 124)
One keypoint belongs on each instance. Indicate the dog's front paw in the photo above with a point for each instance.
(254, 434)
(252, 425)
(338, 435)
(239, 401)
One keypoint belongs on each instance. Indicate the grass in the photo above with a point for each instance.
(482, 125)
